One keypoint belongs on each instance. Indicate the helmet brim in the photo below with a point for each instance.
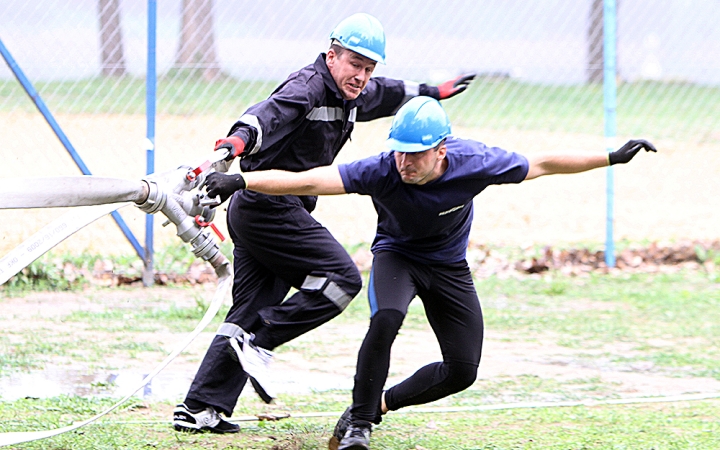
(406, 147)
(365, 52)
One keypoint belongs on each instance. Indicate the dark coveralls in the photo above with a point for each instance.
(277, 243)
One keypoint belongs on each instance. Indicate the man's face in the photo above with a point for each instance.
(421, 167)
(350, 71)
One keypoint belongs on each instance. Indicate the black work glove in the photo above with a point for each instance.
(223, 184)
(454, 87)
(625, 153)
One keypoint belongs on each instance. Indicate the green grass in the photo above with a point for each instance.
(666, 324)
(683, 425)
(646, 108)
(607, 307)
(180, 96)
(660, 110)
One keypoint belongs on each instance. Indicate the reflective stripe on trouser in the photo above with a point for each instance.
(278, 245)
(329, 289)
(229, 330)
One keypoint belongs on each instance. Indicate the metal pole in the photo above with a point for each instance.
(150, 100)
(42, 107)
(610, 104)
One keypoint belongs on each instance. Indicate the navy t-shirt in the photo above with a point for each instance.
(431, 222)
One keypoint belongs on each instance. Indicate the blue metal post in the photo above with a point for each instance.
(610, 104)
(150, 99)
(42, 107)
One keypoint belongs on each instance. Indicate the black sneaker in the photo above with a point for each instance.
(189, 421)
(340, 428)
(356, 438)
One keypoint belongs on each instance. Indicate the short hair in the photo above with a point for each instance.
(440, 144)
(337, 47)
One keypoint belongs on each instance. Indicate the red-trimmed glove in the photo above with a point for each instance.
(454, 87)
(625, 153)
(233, 144)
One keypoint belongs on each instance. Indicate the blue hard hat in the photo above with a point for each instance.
(420, 124)
(363, 34)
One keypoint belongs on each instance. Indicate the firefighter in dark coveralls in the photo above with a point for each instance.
(278, 245)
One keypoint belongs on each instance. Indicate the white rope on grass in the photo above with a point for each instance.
(589, 403)
(507, 406)
(455, 409)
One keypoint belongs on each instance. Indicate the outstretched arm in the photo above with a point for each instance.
(324, 180)
(554, 164)
(318, 181)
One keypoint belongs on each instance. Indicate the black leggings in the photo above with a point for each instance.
(454, 313)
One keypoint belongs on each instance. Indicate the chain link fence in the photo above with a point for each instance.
(539, 87)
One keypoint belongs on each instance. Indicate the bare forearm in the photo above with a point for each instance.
(570, 163)
(318, 181)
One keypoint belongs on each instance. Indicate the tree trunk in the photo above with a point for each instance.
(111, 40)
(197, 42)
(595, 65)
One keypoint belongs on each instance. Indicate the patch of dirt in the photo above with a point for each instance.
(321, 359)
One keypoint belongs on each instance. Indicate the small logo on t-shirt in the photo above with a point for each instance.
(451, 210)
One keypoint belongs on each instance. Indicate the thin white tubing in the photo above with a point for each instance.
(444, 410)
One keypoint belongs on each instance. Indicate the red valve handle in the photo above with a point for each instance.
(198, 170)
(199, 220)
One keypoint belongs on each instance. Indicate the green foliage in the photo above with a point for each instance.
(41, 275)
(63, 272)
(707, 255)
(173, 258)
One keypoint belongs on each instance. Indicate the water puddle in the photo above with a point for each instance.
(167, 385)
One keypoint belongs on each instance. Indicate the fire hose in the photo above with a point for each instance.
(175, 194)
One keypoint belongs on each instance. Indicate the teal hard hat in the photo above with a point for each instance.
(363, 34)
(420, 124)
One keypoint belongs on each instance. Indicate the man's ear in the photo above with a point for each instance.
(442, 151)
(330, 57)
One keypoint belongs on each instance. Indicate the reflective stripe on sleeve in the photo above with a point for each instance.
(412, 89)
(249, 119)
(325, 113)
